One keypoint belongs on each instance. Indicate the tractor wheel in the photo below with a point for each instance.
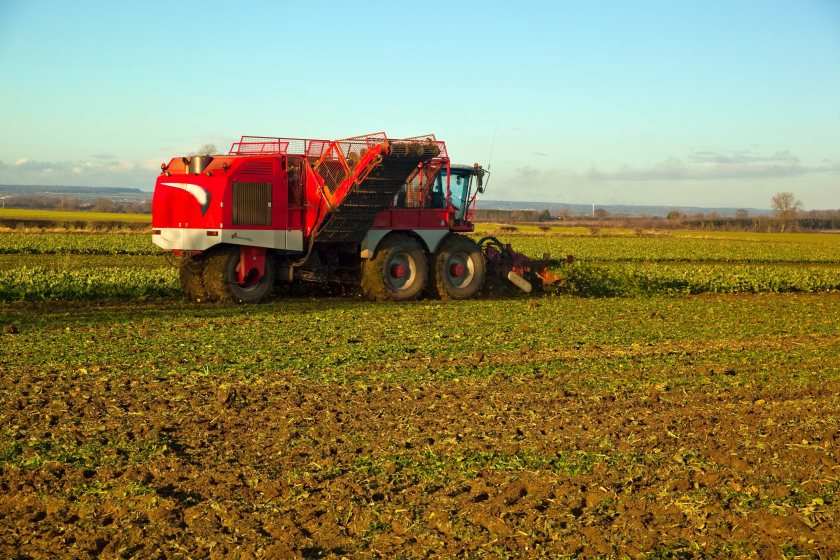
(221, 279)
(459, 269)
(191, 273)
(397, 272)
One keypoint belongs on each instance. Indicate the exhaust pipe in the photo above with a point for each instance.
(199, 163)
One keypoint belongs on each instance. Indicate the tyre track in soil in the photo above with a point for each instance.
(522, 466)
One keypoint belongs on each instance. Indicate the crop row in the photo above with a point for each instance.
(40, 283)
(826, 249)
(628, 279)
(27, 283)
(77, 244)
(769, 249)
(66, 262)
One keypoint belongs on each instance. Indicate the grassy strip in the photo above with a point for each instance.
(59, 216)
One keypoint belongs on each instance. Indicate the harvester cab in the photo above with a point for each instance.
(462, 197)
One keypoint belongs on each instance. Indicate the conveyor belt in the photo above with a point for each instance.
(351, 221)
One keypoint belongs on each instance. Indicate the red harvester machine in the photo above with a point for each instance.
(389, 215)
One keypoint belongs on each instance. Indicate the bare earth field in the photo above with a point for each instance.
(548, 427)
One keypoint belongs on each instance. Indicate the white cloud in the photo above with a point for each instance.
(100, 170)
(697, 166)
(714, 166)
(700, 178)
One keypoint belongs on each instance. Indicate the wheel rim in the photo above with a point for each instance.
(251, 282)
(460, 270)
(401, 271)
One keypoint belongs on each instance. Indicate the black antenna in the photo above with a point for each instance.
(492, 145)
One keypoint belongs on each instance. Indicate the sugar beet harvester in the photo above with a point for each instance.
(389, 215)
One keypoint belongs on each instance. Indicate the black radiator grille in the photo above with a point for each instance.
(251, 204)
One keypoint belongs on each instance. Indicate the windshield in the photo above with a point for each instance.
(459, 190)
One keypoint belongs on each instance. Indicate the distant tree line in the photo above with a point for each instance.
(813, 220)
(509, 216)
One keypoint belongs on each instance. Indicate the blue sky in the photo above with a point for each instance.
(705, 103)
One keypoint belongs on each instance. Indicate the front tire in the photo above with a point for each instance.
(459, 269)
(397, 272)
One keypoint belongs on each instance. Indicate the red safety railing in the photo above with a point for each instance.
(269, 146)
(256, 146)
(335, 167)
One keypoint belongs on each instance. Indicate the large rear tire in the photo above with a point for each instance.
(397, 272)
(221, 279)
(459, 269)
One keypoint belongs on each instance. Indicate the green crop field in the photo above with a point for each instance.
(67, 266)
(675, 396)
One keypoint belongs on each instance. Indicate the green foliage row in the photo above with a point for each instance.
(617, 279)
(33, 453)
(68, 266)
(770, 248)
(825, 249)
(76, 282)
(66, 262)
(78, 244)
(39, 283)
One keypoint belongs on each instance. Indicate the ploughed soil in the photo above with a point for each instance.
(494, 467)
